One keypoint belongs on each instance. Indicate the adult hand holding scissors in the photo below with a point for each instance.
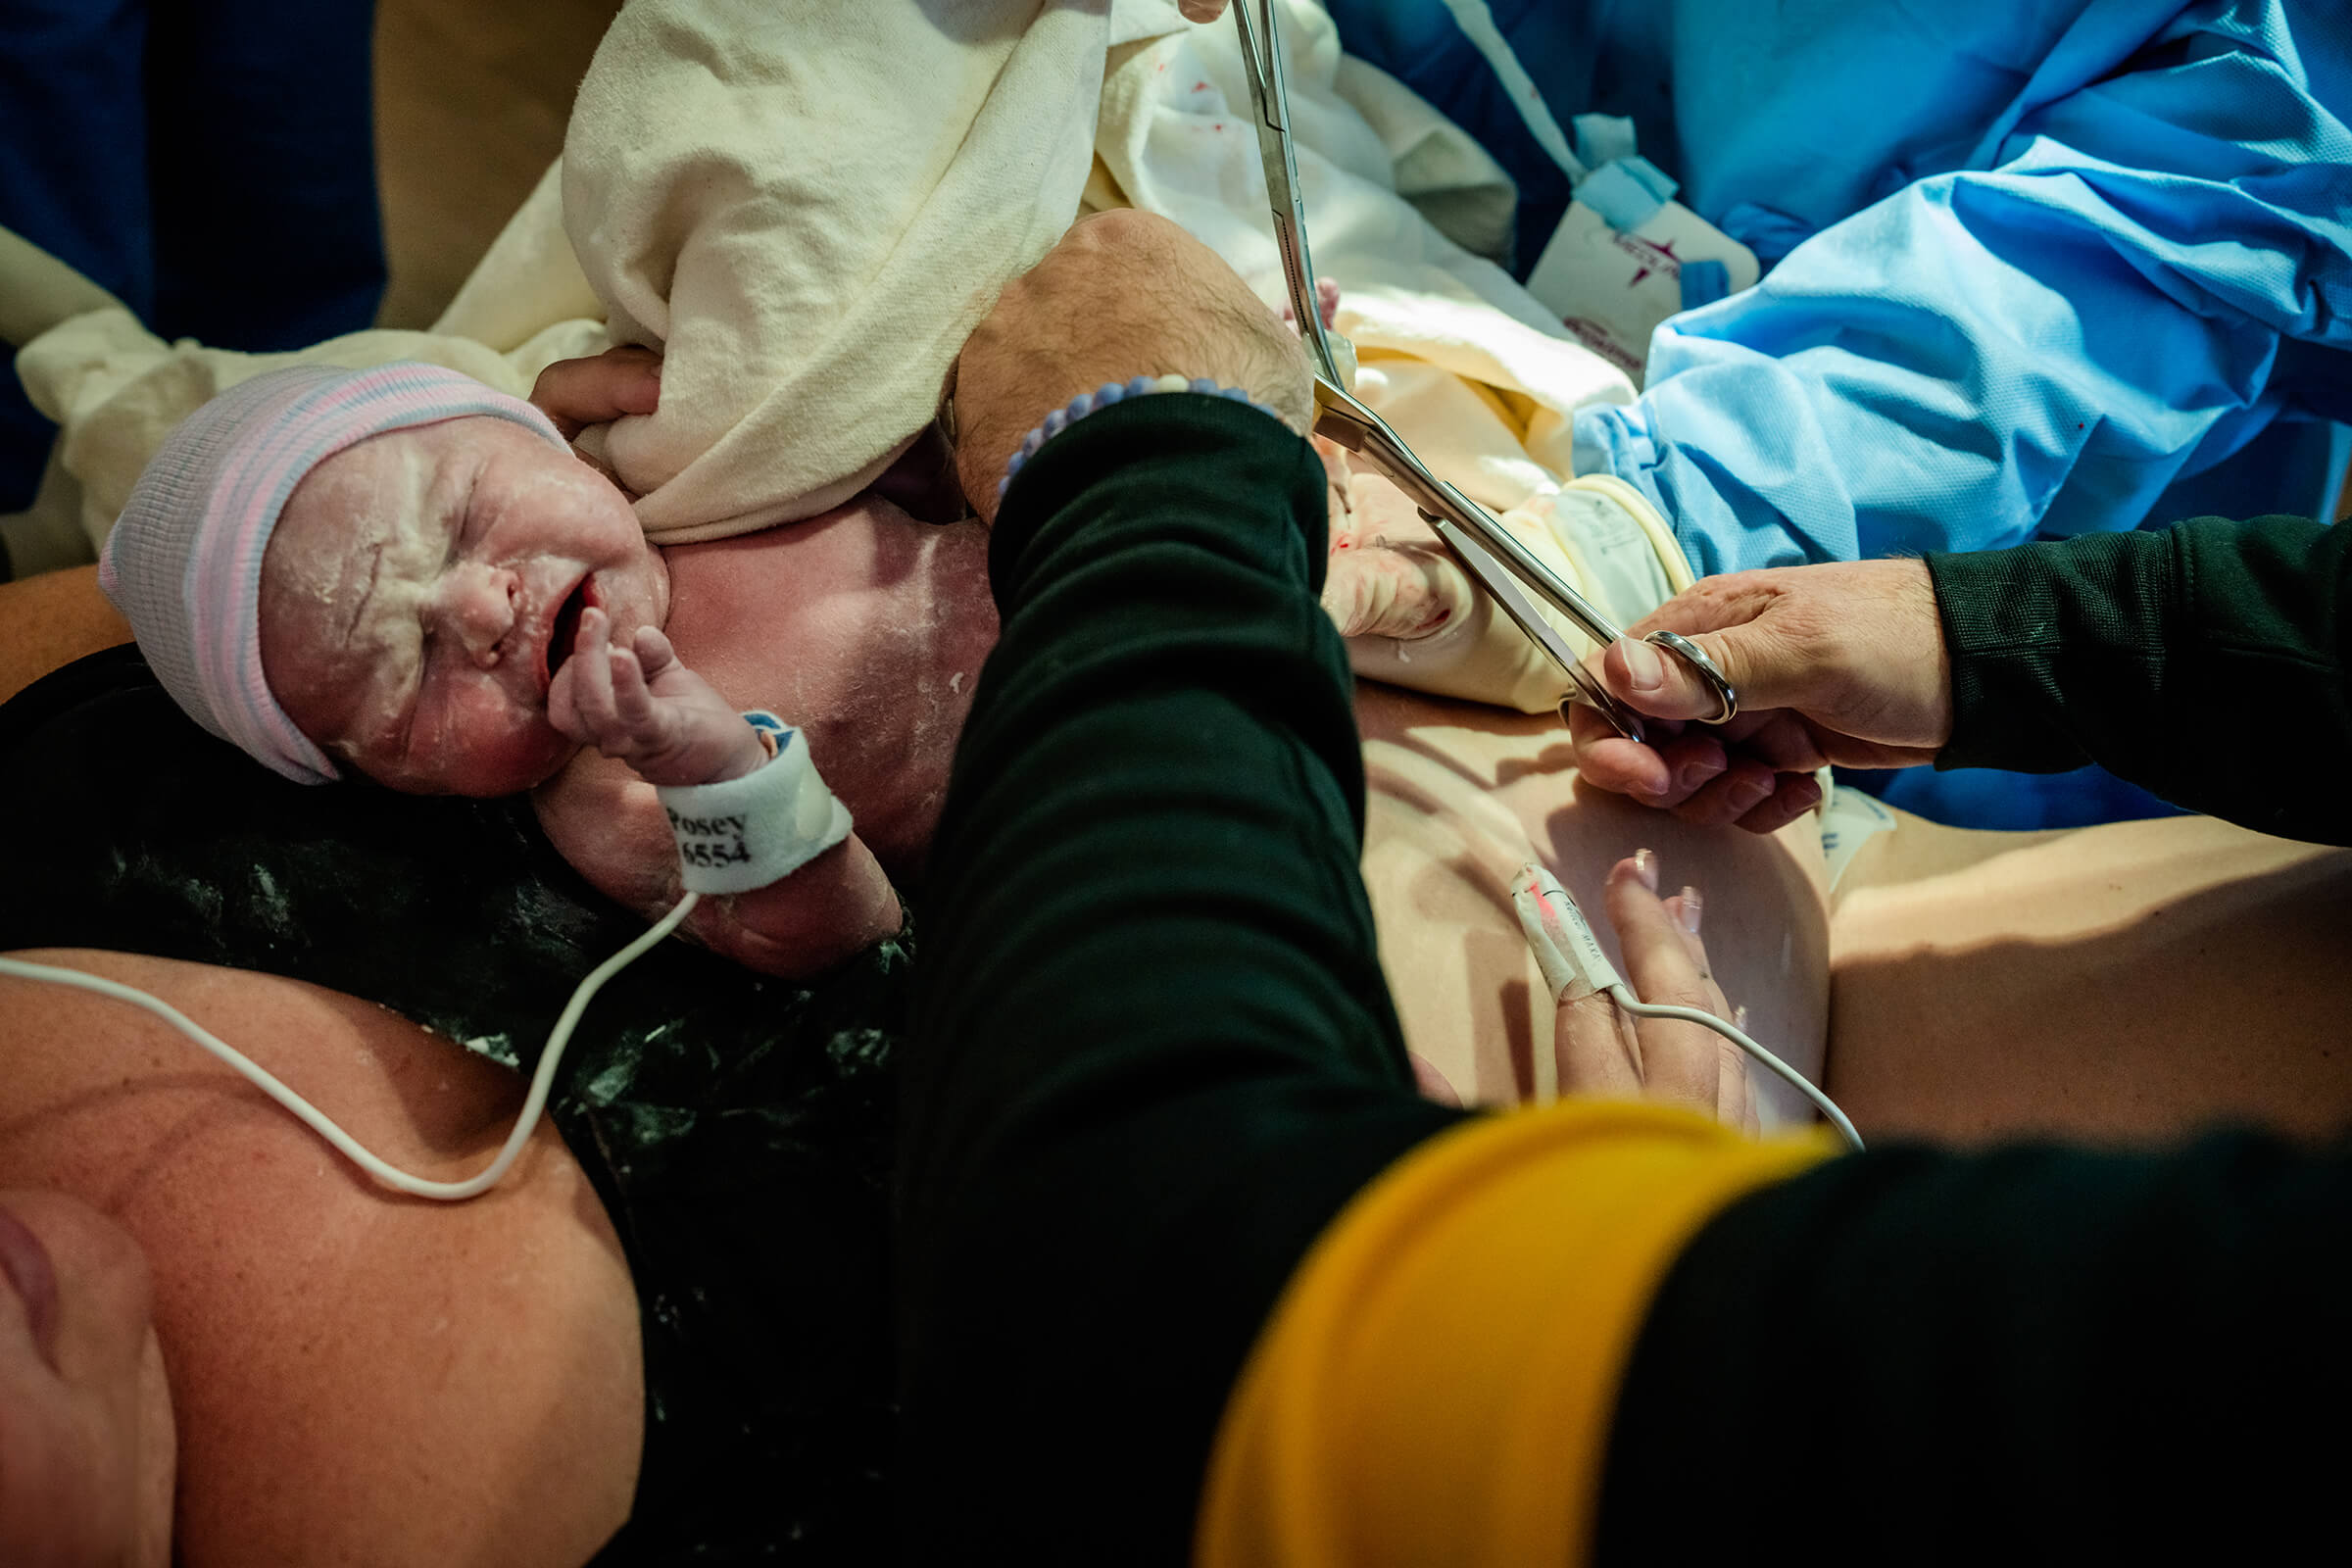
(1844, 663)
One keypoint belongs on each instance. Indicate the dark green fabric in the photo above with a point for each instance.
(737, 1128)
(2045, 1356)
(1151, 1058)
(2204, 662)
(2039, 1356)
(1153, 1052)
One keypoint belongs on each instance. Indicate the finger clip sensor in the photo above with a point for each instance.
(1563, 943)
(1574, 967)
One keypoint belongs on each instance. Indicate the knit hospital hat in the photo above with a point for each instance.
(185, 560)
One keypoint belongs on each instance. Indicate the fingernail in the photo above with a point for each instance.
(1753, 792)
(1739, 1016)
(1646, 867)
(1690, 911)
(1642, 665)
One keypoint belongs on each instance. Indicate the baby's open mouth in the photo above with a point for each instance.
(567, 627)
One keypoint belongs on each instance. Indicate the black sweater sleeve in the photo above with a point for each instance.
(2205, 661)
(1153, 1053)
(2039, 1356)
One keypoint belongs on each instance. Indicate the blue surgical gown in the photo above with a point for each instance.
(2035, 261)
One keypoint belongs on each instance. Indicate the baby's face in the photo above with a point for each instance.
(421, 588)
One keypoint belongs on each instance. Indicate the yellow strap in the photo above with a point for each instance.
(1436, 1384)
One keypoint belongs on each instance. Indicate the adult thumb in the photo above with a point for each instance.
(1664, 684)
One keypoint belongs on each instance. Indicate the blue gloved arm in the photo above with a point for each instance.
(2037, 345)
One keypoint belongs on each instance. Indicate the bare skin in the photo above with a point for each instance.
(888, 620)
(355, 1377)
(417, 600)
(53, 619)
(1459, 797)
(424, 594)
(2134, 983)
(2130, 982)
(86, 1447)
(1841, 663)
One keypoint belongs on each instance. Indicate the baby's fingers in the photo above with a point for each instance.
(632, 701)
(589, 673)
(655, 654)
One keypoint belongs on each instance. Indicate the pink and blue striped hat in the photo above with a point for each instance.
(183, 563)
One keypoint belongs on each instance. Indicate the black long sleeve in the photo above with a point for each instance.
(1153, 1052)
(2205, 661)
(2040, 1356)
(2048, 1354)
(1154, 1059)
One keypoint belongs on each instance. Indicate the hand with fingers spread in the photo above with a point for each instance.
(641, 706)
(1842, 663)
(1599, 1050)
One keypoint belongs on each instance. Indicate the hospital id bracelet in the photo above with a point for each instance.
(1111, 392)
(745, 833)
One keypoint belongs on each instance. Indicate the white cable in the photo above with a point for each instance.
(390, 1176)
(1624, 998)
(1574, 965)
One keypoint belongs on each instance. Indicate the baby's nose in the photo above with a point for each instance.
(476, 606)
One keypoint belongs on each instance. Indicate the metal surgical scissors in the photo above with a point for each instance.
(1486, 549)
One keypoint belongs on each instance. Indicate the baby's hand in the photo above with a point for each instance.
(1327, 306)
(1389, 576)
(642, 707)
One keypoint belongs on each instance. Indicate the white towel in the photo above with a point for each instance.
(829, 193)
(808, 207)
(830, 235)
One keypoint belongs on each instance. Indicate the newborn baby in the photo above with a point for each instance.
(403, 572)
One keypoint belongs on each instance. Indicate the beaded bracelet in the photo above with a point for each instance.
(1111, 392)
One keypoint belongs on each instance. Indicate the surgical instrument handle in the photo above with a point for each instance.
(1270, 97)
(1476, 539)
(1340, 418)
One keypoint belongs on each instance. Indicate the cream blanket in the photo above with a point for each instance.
(808, 206)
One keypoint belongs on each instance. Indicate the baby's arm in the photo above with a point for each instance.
(658, 723)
